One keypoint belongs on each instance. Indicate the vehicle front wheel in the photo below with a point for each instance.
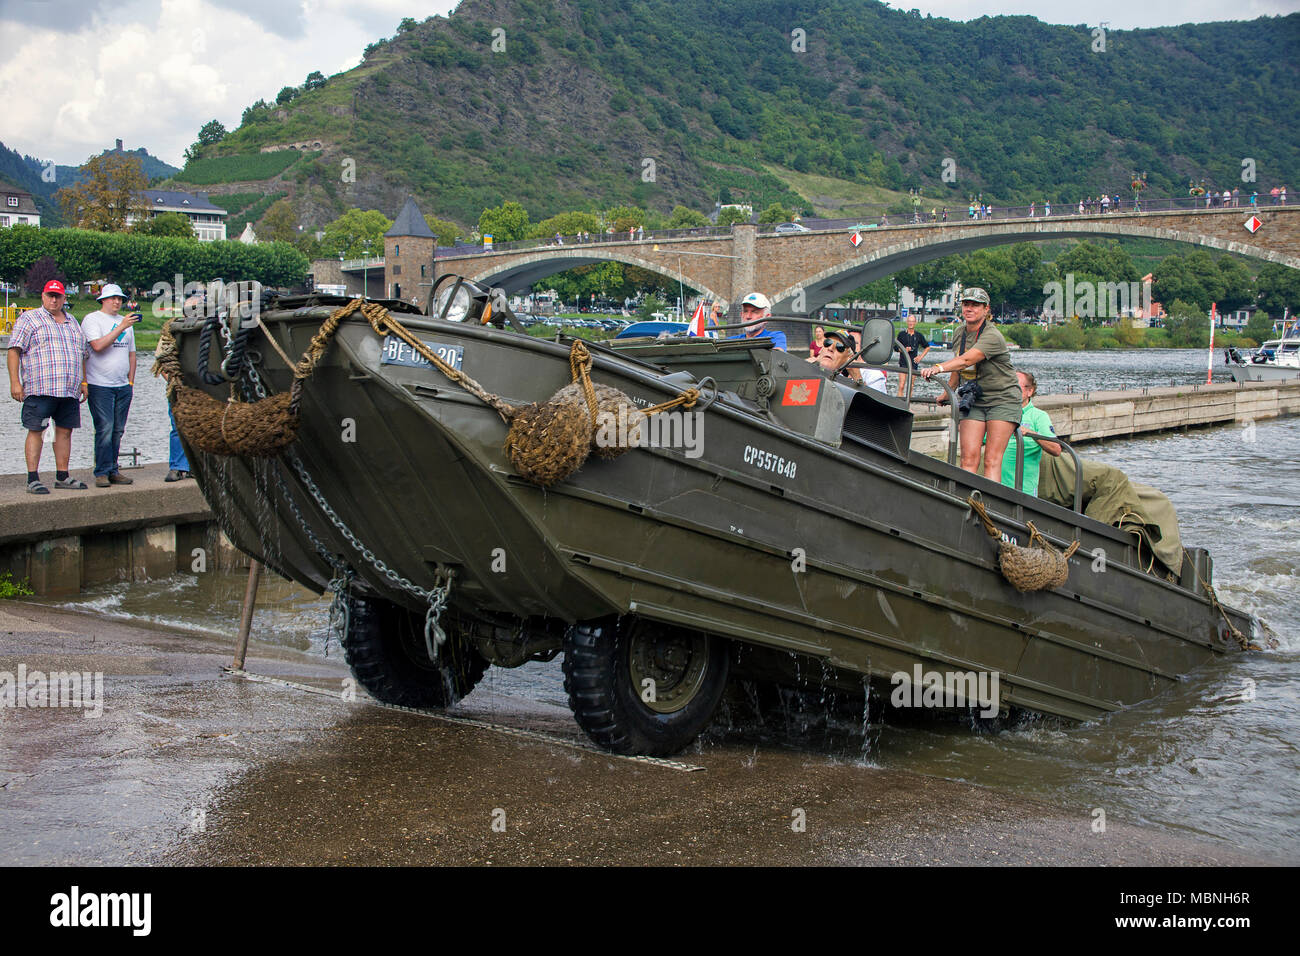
(642, 687)
(385, 649)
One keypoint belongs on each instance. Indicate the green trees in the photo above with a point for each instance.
(356, 234)
(683, 218)
(108, 194)
(447, 232)
(731, 215)
(930, 279)
(1278, 289)
(623, 218)
(211, 133)
(504, 223)
(1186, 325)
(1259, 328)
(775, 213)
(565, 224)
(167, 224)
(279, 224)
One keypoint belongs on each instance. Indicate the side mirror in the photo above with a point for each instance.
(877, 341)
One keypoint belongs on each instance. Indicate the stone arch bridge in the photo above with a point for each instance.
(824, 265)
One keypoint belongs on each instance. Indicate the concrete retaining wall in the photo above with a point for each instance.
(68, 540)
(1091, 416)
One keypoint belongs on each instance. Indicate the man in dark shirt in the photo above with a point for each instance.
(917, 345)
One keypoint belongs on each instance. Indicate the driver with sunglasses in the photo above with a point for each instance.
(838, 347)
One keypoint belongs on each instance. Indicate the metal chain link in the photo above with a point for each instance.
(435, 597)
(340, 611)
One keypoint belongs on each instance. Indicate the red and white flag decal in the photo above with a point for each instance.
(801, 391)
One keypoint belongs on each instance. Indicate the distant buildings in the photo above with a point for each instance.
(207, 221)
(17, 208)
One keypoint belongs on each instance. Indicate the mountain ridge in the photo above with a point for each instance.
(582, 93)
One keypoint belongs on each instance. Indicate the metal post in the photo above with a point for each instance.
(246, 613)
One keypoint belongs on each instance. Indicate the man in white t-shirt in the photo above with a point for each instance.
(110, 377)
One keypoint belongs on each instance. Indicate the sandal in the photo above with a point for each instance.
(36, 488)
(74, 484)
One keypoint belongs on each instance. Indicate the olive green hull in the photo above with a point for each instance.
(870, 561)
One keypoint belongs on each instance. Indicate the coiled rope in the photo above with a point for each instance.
(1037, 567)
(547, 441)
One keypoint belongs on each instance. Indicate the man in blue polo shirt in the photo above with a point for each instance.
(757, 306)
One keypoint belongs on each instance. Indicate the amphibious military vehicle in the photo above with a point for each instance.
(780, 519)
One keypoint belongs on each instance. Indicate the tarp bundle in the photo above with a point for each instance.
(1111, 498)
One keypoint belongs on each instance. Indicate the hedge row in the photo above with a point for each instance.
(137, 262)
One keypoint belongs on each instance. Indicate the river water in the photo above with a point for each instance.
(147, 426)
(1216, 758)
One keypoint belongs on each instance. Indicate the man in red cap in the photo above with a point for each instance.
(47, 353)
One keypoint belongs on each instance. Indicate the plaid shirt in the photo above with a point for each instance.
(52, 353)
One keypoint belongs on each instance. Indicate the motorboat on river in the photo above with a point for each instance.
(1274, 361)
(774, 527)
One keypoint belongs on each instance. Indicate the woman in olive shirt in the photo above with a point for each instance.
(983, 358)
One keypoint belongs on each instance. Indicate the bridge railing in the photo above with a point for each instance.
(589, 239)
(1093, 206)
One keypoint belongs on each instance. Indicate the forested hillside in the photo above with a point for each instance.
(560, 103)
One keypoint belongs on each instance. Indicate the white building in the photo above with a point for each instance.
(17, 208)
(207, 221)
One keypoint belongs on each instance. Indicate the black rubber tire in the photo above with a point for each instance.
(607, 705)
(386, 651)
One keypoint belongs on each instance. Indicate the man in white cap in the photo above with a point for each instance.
(757, 306)
(110, 378)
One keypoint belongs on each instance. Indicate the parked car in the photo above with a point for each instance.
(786, 228)
(653, 328)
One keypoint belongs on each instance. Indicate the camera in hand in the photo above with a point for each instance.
(968, 393)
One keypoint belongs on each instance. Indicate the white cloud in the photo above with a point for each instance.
(151, 72)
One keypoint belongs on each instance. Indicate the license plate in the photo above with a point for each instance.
(397, 352)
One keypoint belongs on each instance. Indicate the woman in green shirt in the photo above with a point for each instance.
(983, 361)
(1033, 419)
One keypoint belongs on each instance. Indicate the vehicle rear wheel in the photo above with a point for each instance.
(641, 687)
(385, 649)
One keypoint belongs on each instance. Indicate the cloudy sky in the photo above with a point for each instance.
(78, 74)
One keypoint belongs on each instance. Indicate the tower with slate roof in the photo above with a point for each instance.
(408, 255)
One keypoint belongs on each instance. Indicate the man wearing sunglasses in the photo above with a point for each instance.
(46, 360)
(838, 348)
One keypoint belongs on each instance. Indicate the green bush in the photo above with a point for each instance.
(1066, 336)
(1022, 335)
(9, 588)
(140, 261)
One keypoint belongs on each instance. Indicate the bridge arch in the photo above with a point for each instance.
(826, 285)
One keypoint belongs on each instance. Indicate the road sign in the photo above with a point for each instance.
(856, 239)
(904, 312)
(1253, 223)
